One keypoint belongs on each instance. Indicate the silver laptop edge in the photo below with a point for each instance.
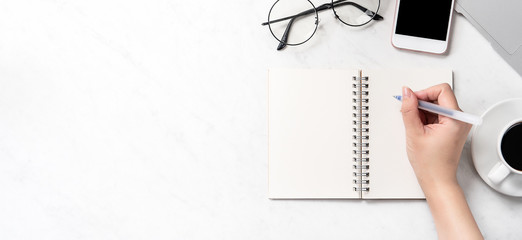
(506, 42)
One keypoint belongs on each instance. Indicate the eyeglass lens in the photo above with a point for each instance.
(293, 21)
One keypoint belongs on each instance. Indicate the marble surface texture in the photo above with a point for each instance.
(148, 120)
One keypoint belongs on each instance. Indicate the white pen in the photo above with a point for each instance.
(457, 115)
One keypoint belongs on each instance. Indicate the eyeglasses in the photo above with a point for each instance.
(282, 18)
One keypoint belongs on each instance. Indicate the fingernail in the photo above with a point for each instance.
(406, 92)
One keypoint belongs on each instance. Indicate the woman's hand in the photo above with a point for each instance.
(434, 145)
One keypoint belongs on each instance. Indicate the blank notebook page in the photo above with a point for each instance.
(391, 175)
(310, 134)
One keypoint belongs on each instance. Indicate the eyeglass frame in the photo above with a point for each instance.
(331, 5)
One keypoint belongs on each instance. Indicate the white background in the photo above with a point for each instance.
(148, 120)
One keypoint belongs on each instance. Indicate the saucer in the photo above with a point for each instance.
(484, 144)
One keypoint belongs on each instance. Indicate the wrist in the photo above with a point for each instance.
(440, 187)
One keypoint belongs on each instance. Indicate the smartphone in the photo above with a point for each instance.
(421, 25)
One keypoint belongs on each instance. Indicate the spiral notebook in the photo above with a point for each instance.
(339, 133)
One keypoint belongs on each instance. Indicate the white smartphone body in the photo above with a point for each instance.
(422, 25)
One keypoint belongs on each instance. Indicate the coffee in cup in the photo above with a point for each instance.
(509, 148)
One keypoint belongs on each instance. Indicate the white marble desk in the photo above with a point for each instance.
(147, 120)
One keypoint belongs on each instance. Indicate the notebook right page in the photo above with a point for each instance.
(391, 175)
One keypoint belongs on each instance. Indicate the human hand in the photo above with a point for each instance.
(434, 143)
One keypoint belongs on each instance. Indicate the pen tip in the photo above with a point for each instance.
(398, 97)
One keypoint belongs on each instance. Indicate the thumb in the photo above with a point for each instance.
(410, 112)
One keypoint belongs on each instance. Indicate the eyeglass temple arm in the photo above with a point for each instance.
(284, 38)
(363, 9)
(307, 12)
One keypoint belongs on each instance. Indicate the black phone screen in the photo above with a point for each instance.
(425, 19)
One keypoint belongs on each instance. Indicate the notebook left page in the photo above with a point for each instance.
(310, 134)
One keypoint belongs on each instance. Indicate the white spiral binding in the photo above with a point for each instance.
(361, 134)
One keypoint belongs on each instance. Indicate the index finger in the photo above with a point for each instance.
(441, 93)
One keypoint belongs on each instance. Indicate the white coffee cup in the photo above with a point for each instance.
(501, 170)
